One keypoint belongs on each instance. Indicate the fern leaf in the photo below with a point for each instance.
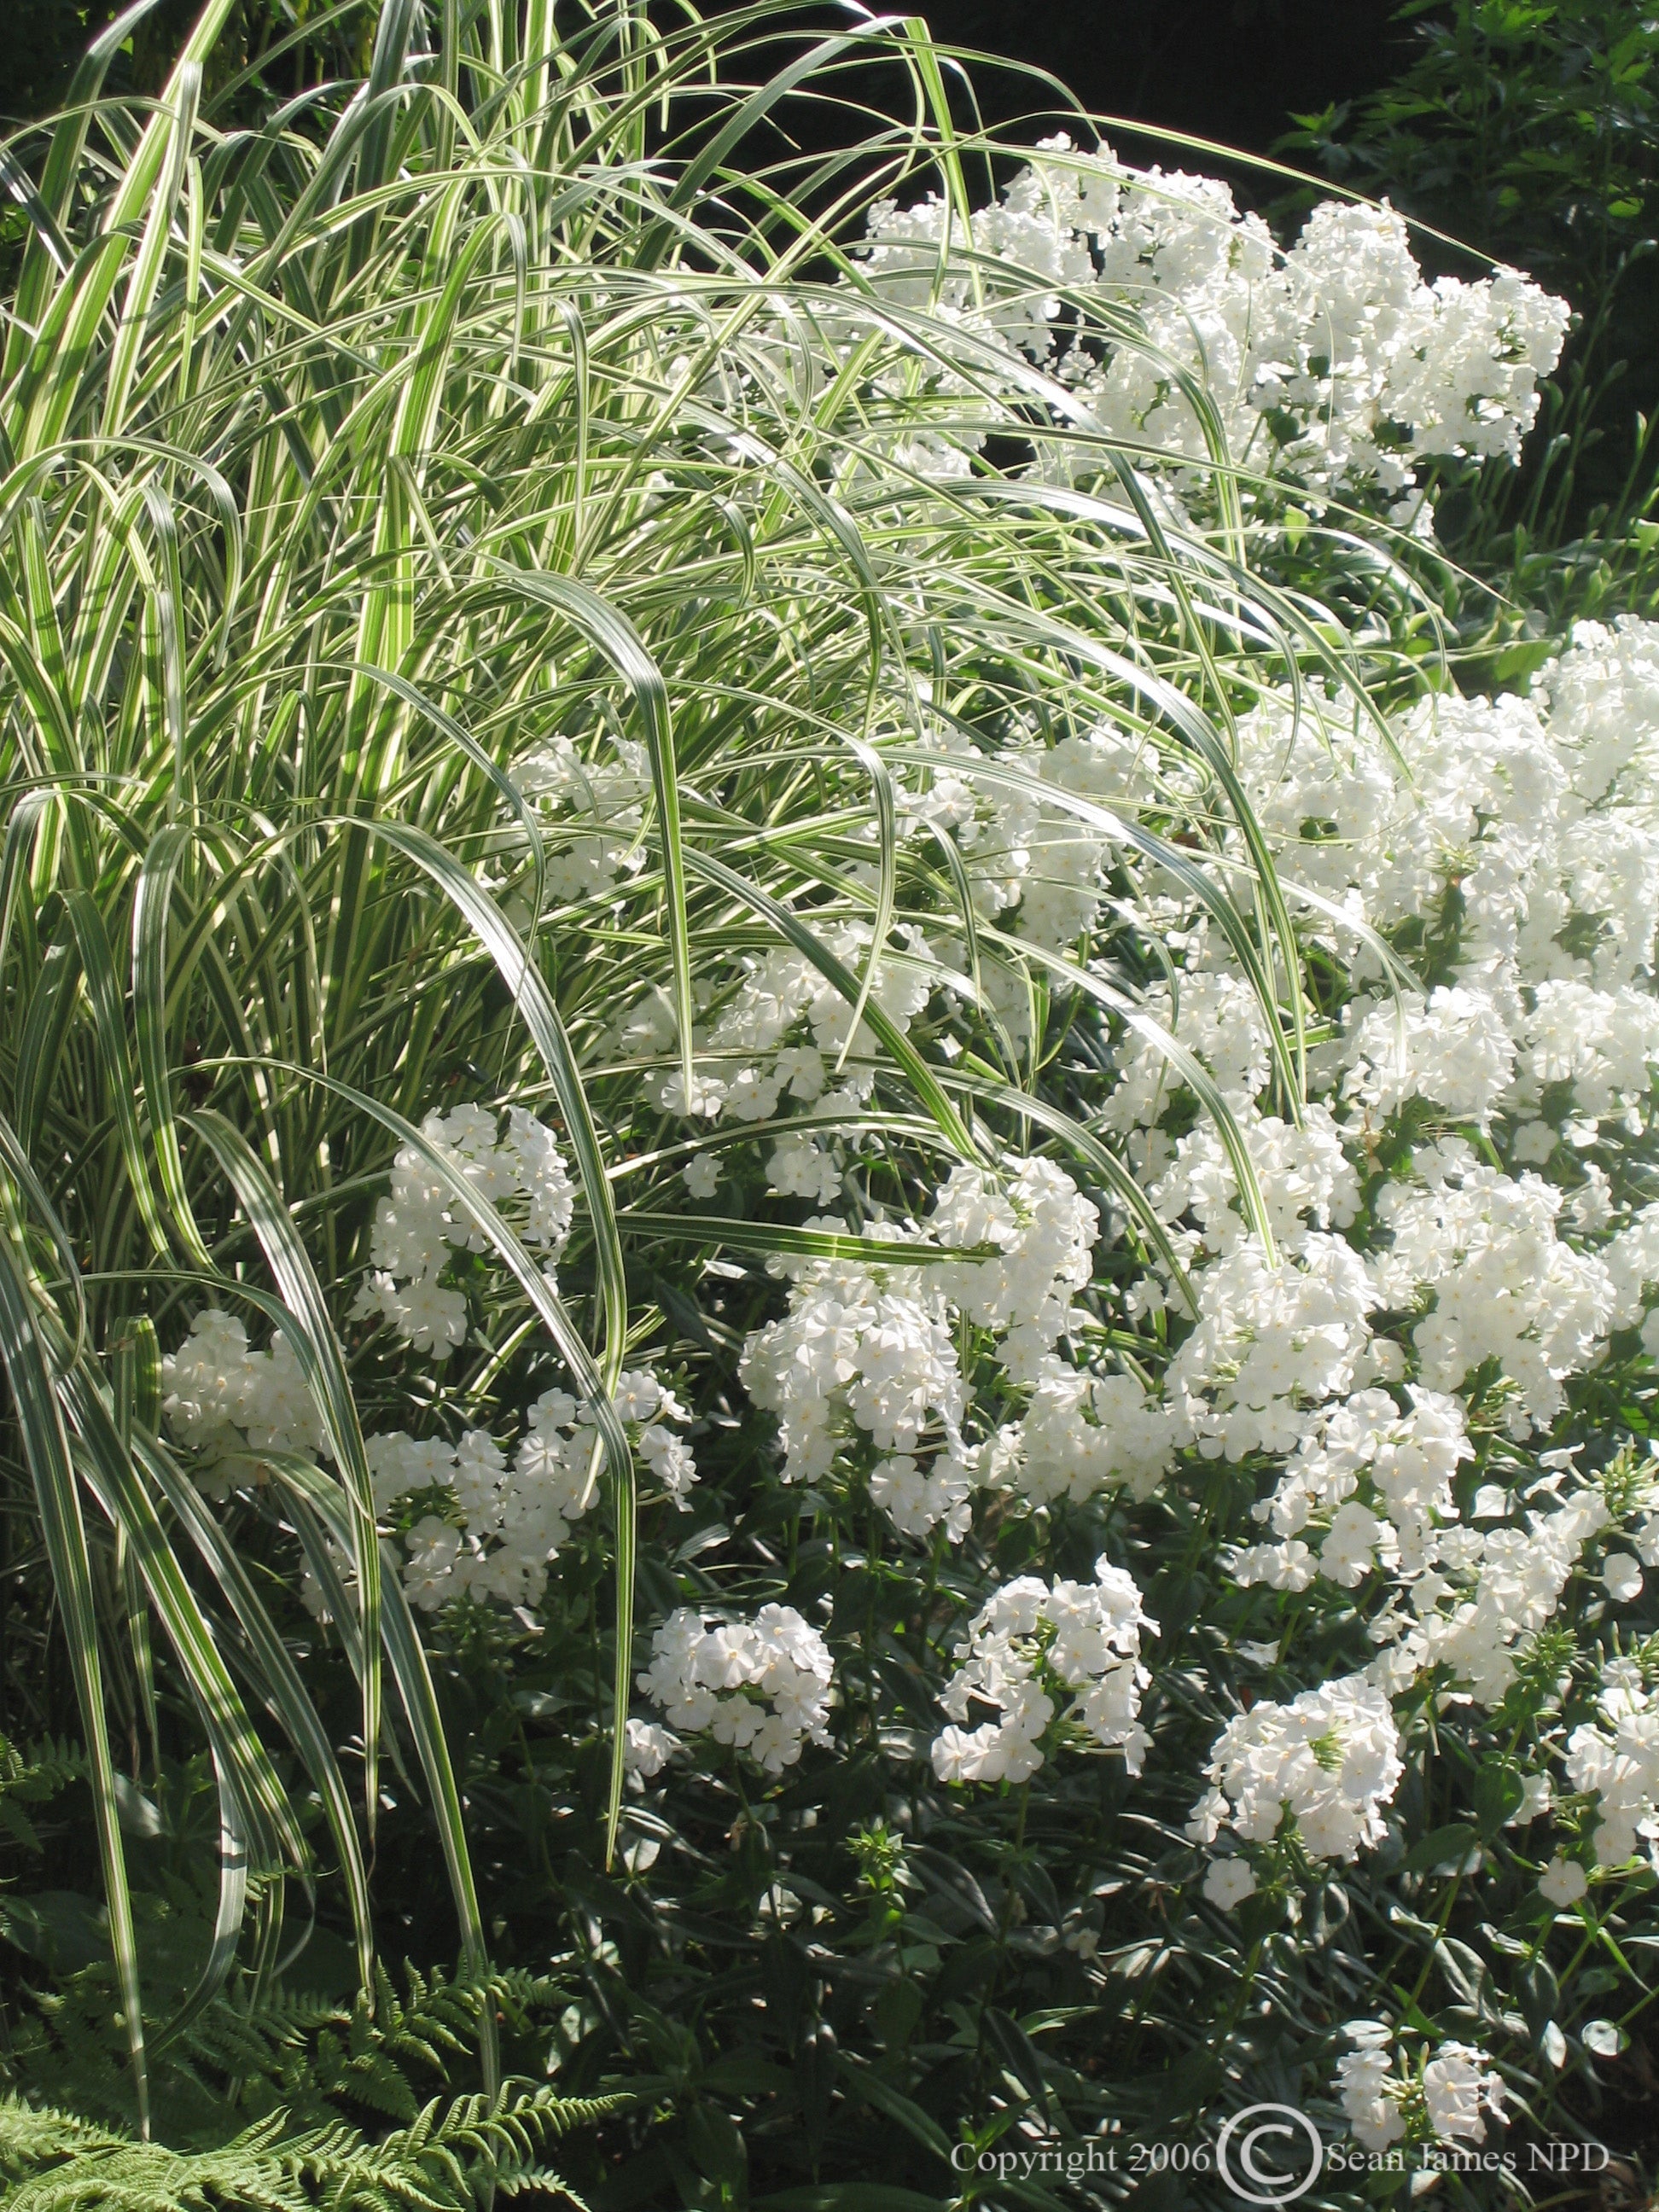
(543, 2179)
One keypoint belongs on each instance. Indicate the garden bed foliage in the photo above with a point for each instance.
(831, 1230)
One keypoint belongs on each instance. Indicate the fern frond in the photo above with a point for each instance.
(88, 2166)
(367, 2076)
(29, 2136)
(543, 2179)
(441, 2162)
(32, 1777)
(48, 1763)
(312, 2058)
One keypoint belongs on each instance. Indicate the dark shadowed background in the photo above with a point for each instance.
(1233, 70)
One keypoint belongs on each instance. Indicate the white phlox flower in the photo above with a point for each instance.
(421, 1222)
(1033, 1652)
(224, 1400)
(761, 1687)
(1316, 359)
(1615, 1760)
(863, 1371)
(510, 1520)
(1329, 1761)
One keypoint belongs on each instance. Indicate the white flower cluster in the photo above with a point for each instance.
(421, 1224)
(226, 1402)
(1031, 862)
(1217, 1019)
(1452, 2090)
(1371, 2091)
(1307, 1182)
(1085, 1433)
(1275, 1339)
(760, 1686)
(1458, 2084)
(1378, 1480)
(1019, 847)
(863, 1371)
(1450, 1048)
(589, 813)
(1031, 1649)
(1333, 364)
(1329, 1761)
(492, 1527)
(1505, 1286)
(1510, 850)
(782, 1028)
(1507, 852)
(1520, 833)
(1483, 1595)
(1618, 1762)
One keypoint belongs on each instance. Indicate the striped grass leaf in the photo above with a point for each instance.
(355, 448)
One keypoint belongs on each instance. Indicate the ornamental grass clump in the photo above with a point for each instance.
(775, 1147)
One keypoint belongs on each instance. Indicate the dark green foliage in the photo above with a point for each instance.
(838, 1983)
(262, 2049)
(378, 2058)
(29, 1777)
(297, 41)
